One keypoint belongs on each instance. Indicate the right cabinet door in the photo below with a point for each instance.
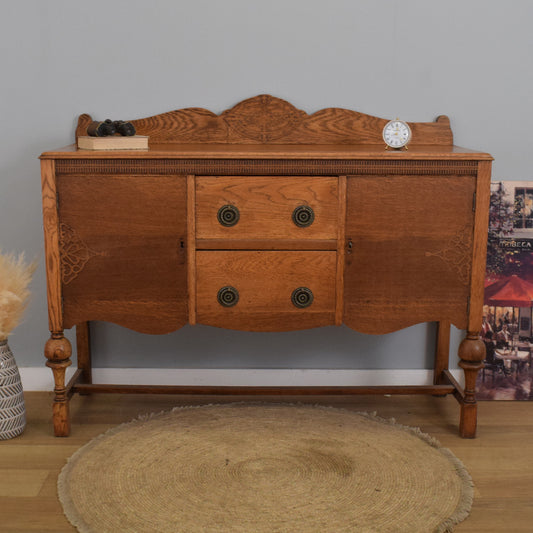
(408, 251)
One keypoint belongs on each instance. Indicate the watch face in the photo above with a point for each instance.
(396, 133)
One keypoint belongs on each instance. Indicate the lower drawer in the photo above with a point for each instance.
(265, 290)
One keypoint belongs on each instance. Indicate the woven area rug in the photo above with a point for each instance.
(264, 468)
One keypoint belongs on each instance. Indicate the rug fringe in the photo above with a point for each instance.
(462, 511)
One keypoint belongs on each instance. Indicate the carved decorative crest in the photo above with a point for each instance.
(265, 119)
(457, 253)
(74, 253)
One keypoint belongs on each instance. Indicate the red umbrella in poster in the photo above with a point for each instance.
(510, 292)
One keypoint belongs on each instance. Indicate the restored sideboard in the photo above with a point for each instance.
(265, 218)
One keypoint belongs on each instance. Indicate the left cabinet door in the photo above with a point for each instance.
(122, 247)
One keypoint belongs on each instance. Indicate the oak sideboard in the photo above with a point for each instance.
(266, 218)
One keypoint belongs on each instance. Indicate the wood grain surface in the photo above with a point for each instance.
(497, 461)
(124, 256)
(341, 251)
(265, 281)
(191, 249)
(398, 238)
(479, 245)
(266, 205)
(266, 244)
(51, 245)
(411, 254)
(265, 119)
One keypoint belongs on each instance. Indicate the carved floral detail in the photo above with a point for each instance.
(74, 253)
(264, 118)
(457, 253)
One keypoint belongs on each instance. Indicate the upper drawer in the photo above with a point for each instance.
(266, 207)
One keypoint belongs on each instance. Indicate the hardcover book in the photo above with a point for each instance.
(113, 142)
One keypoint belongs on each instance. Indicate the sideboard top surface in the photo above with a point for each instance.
(271, 151)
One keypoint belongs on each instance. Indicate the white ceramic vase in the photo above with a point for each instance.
(12, 408)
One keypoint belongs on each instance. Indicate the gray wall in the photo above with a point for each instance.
(414, 59)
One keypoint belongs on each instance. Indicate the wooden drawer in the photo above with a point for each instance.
(273, 207)
(267, 282)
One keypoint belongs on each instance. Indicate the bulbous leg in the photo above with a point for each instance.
(58, 351)
(471, 354)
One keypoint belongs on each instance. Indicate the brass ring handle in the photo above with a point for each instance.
(303, 216)
(228, 296)
(228, 215)
(302, 297)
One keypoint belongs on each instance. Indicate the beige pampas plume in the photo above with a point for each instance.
(15, 276)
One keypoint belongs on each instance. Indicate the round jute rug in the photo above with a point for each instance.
(263, 469)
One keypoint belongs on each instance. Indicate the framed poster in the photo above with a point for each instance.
(507, 329)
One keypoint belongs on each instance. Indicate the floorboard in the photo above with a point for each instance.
(499, 459)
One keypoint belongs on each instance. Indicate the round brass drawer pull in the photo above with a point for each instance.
(303, 216)
(228, 296)
(228, 215)
(302, 297)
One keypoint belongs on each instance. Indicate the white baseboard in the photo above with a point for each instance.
(40, 379)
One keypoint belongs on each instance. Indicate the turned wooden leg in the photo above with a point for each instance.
(58, 351)
(471, 354)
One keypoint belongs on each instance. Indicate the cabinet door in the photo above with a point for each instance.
(410, 255)
(122, 246)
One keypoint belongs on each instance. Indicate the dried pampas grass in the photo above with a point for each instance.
(15, 276)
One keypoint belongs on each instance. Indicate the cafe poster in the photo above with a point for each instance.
(507, 329)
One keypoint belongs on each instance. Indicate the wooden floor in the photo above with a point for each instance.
(500, 459)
